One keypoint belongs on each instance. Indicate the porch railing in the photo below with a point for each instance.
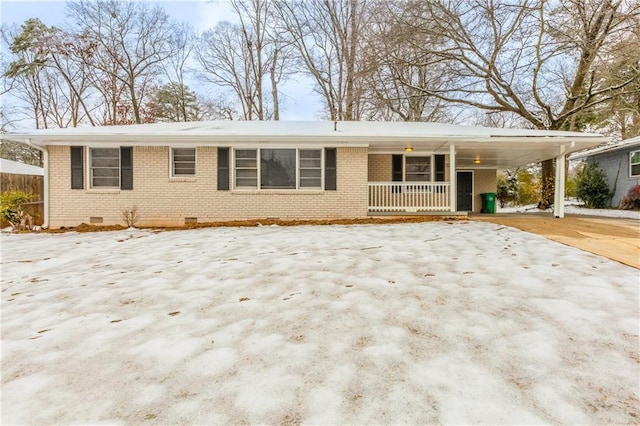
(409, 196)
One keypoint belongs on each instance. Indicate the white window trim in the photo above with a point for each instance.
(233, 165)
(195, 165)
(259, 174)
(633, 164)
(316, 188)
(89, 175)
(418, 154)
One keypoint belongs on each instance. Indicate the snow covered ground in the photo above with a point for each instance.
(574, 207)
(462, 322)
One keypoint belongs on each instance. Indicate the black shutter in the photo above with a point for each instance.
(440, 168)
(330, 168)
(396, 172)
(126, 168)
(223, 169)
(396, 164)
(77, 167)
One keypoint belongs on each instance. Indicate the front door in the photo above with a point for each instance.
(464, 184)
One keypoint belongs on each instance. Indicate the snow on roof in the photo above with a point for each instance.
(342, 130)
(494, 147)
(628, 143)
(16, 168)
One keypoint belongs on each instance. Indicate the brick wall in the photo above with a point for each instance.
(484, 180)
(380, 168)
(162, 200)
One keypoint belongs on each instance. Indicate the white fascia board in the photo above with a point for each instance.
(229, 141)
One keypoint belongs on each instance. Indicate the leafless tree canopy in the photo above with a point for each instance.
(544, 64)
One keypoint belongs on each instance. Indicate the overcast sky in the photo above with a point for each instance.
(298, 102)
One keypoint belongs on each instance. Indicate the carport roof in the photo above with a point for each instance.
(493, 147)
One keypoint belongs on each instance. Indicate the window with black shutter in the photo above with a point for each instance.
(330, 169)
(223, 169)
(77, 167)
(126, 168)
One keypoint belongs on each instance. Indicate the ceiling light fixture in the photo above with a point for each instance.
(408, 148)
(477, 160)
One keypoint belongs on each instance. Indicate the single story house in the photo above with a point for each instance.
(621, 164)
(230, 170)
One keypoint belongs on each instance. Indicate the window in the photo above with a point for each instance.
(183, 162)
(246, 168)
(310, 168)
(417, 169)
(105, 167)
(278, 168)
(634, 163)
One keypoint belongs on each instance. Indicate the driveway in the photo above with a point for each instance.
(617, 239)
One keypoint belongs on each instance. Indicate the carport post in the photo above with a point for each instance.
(558, 203)
(452, 178)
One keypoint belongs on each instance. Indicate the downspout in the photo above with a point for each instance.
(45, 184)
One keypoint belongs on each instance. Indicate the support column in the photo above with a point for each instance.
(453, 193)
(558, 203)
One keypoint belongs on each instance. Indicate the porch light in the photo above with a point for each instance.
(408, 148)
(477, 160)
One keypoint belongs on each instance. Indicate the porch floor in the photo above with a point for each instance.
(403, 213)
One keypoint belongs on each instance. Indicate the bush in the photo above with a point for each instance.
(591, 186)
(131, 216)
(528, 187)
(508, 187)
(632, 200)
(12, 209)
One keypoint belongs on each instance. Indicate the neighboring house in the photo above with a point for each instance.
(15, 176)
(228, 170)
(621, 164)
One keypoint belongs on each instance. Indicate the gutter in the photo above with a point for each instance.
(45, 163)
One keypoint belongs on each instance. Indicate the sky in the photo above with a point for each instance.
(298, 101)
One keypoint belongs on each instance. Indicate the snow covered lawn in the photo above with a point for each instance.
(572, 206)
(461, 322)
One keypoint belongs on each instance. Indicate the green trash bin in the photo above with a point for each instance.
(488, 202)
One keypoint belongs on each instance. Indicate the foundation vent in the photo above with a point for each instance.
(188, 220)
(95, 219)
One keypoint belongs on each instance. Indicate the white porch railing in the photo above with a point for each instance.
(409, 196)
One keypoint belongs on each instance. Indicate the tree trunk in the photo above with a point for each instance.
(274, 86)
(547, 185)
(134, 103)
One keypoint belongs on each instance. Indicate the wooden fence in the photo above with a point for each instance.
(26, 183)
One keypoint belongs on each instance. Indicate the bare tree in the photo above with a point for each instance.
(620, 115)
(131, 40)
(532, 58)
(248, 58)
(398, 71)
(327, 37)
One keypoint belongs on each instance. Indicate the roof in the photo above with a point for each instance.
(623, 145)
(16, 168)
(495, 147)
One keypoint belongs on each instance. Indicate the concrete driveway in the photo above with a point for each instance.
(617, 239)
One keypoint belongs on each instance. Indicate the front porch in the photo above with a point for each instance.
(409, 197)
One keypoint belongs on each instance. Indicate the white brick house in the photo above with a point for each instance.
(231, 170)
